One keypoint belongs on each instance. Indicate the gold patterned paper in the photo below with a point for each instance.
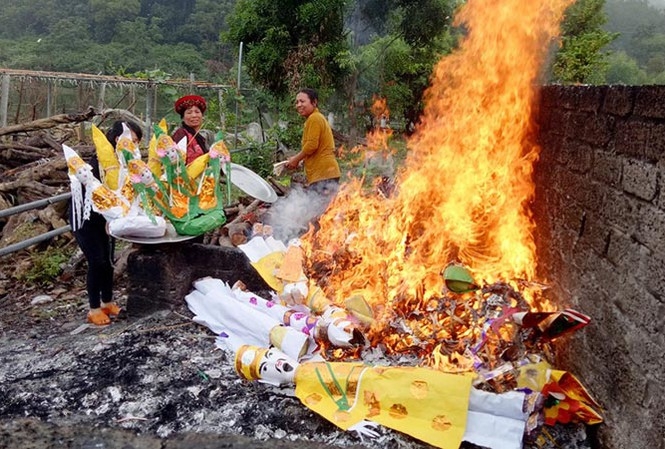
(425, 403)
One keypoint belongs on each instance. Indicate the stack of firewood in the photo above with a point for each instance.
(32, 165)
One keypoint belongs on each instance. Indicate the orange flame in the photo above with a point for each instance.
(378, 137)
(464, 191)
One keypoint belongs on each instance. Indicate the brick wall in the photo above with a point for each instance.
(600, 211)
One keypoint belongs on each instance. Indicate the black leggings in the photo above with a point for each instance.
(96, 246)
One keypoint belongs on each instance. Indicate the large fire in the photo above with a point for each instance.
(463, 193)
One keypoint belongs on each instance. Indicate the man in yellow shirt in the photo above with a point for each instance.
(318, 147)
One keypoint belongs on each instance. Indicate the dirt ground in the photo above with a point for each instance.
(154, 381)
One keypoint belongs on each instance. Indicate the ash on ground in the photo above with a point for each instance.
(153, 381)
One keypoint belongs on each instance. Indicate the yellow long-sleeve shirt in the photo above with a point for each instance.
(318, 146)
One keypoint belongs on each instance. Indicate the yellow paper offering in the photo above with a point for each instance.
(267, 266)
(197, 166)
(427, 404)
(154, 162)
(108, 160)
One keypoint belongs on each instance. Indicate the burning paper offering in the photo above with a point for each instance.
(430, 285)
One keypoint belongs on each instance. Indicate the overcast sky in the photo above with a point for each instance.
(658, 3)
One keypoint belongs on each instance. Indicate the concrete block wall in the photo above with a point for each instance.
(600, 214)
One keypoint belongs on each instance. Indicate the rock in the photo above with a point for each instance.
(254, 132)
(41, 299)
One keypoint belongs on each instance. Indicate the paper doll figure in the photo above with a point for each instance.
(438, 408)
(113, 160)
(425, 403)
(333, 327)
(154, 162)
(141, 220)
(266, 256)
(209, 193)
(98, 197)
(221, 149)
(177, 180)
(217, 309)
(267, 365)
(108, 159)
(126, 150)
(224, 158)
(125, 146)
(565, 398)
(151, 192)
(342, 328)
(184, 210)
(143, 181)
(196, 167)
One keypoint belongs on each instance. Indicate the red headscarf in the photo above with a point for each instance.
(186, 102)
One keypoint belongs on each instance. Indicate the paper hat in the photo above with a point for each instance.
(164, 143)
(267, 365)
(136, 167)
(125, 144)
(74, 161)
(247, 361)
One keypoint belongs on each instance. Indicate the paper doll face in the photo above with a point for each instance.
(84, 174)
(172, 153)
(277, 368)
(126, 144)
(146, 176)
(222, 155)
(267, 365)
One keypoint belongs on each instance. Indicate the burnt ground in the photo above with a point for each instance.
(153, 381)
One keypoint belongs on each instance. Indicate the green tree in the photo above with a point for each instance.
(423, 21)
(581, 59)
(634, 20)
(204, 27)
(289, 44)
(21, 18)
(398, 64)
(107, 14)
(65, 47)
(622, 69)
(648, 50)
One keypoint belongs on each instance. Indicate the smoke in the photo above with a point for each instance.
(291, 216)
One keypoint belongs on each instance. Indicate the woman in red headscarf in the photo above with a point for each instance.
(191, 109)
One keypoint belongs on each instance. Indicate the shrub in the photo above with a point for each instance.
(46, 265)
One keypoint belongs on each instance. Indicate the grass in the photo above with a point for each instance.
(46, 265)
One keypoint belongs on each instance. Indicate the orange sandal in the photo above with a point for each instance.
(111, 309)
(98, 317)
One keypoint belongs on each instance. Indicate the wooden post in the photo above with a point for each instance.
(235, 140)
(49, 98)
(222, 109)
(102, 92)
(148, 111)
(4, 100)
(132, 99)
